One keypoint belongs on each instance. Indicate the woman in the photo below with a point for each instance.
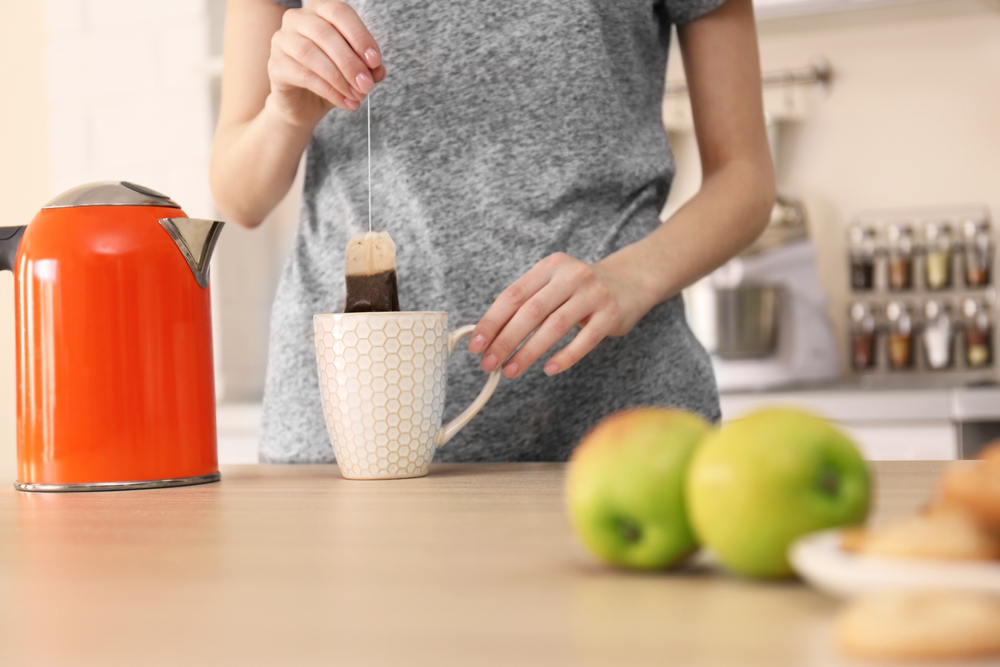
(520, 163)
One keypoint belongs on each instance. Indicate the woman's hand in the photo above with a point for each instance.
(323, 56)
(555, 295)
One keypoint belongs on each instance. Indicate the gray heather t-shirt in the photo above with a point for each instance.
(503, 132)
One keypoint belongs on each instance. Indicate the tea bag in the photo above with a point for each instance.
(371, 274)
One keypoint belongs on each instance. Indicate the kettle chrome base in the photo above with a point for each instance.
(119, 486)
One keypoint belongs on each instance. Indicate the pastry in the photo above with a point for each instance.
(940, 531)
(976, 487)
(921, 625)
(853, 538)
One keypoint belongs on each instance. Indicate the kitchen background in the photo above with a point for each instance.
(127, 89)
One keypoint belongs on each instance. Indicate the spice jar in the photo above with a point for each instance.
(900, 239)
(862, 336)
(978, 252)
(900, 335)
(937, 335)
(938, 259)
(978, 335)
(862, 250)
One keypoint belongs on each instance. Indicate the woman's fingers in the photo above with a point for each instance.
(583, 342)
(507, 304)
(328, 38)
(554, 296)
(538, 309)
(305, 52)
(350, 26)
(552, 330)
(282, 68)
(324, 49)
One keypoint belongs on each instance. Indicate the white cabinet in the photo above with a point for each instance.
(895, 441)
(239, 432)
(893, 425)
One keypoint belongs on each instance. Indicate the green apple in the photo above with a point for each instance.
(625, 487)
(764, 480)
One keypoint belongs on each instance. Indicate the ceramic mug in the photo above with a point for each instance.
(382, 379)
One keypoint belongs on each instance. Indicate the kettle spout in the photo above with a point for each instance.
(196, 240)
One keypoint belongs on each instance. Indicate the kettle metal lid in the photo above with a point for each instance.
(111, 193)
(195, 238)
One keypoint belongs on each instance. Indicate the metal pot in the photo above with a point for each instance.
(746, 319)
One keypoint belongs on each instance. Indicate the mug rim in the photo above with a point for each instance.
(383, 313)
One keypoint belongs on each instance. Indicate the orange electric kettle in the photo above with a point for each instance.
(115, 380)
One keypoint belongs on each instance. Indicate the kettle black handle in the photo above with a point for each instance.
(10, 239)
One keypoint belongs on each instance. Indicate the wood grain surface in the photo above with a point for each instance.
(293, 565)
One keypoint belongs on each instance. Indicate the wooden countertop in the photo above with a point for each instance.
(474, 565)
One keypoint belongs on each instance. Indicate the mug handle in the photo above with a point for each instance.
(456, 424)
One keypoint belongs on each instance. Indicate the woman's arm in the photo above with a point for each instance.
(730, 210)
(737, 193)
(284, 70)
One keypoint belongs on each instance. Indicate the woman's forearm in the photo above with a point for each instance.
(737, 191)
(730, 210)
(254, 164)
(285, 69)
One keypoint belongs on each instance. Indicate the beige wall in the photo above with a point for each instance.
(25, 173)
(911, 117)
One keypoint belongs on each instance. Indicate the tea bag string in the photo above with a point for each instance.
(369, 163)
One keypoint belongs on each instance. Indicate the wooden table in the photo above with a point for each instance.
(474, 565)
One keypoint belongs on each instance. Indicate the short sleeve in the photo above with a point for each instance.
(685, 11)
(291, 4)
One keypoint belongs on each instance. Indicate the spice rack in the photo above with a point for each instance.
(922, 295)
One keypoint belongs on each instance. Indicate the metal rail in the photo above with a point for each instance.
(819, 72)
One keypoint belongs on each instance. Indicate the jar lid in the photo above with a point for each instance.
(111, 193)
(933, 309)
(897, 231)
(972, 227)
(933, 230)
(895, 310)
(859, 233)
(863, 317)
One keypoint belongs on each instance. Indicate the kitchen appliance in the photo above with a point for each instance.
(115, 380)
(762, 316)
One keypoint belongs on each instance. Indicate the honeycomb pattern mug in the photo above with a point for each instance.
(382, 380)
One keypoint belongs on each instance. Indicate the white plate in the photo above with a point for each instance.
(819, 559)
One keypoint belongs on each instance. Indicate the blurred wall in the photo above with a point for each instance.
(129, 86)
(25, 173)
(909, 119)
